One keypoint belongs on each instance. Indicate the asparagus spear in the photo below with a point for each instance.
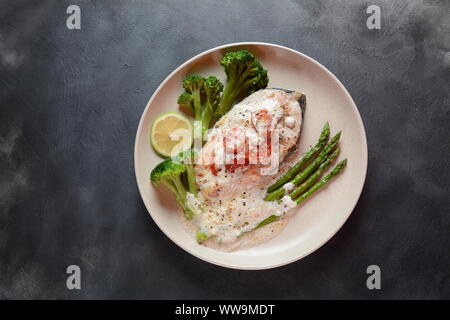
(341, 165)
(299, 178)
(308, 156)
(315, 176)
(313, 189)
(304, 186)
(267, 220)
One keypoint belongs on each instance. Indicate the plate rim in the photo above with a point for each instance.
(236, 44)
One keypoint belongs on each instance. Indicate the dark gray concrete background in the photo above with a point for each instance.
(70, 106)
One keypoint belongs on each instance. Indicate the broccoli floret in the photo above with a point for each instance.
(245, 75)
(201, 96)
(170, 172)
(185, 101)
(193, 85)
(213, 88)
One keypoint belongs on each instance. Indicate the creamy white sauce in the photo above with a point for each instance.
(286, 204)
(250, 239)
(194, 202)
(241, 214)
(255, 237)
(232, 204)
(288, 187)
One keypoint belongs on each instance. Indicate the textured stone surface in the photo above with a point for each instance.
(70, 105)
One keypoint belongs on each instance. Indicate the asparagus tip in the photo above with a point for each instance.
(335, 153)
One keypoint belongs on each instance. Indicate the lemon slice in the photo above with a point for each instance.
(171, 134)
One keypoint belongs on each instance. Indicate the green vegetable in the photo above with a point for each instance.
(322, 182)
(202, 236)
(201, 98)
(186, 101)
(245, 75)
(213, 88)
(299, 178)
(315, 187)
(315, 176)
(307, 157)
(267, 220)
(188, 159)
(171, 172)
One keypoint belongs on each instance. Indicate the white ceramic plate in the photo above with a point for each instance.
(321, 216)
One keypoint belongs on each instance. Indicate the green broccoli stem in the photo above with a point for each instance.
(180, 191)
(226, 101)
(197, 102)
(180, 194)
(196, 96)
(190, 212)
(237, 83)
(206, 118)
(190, 173)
